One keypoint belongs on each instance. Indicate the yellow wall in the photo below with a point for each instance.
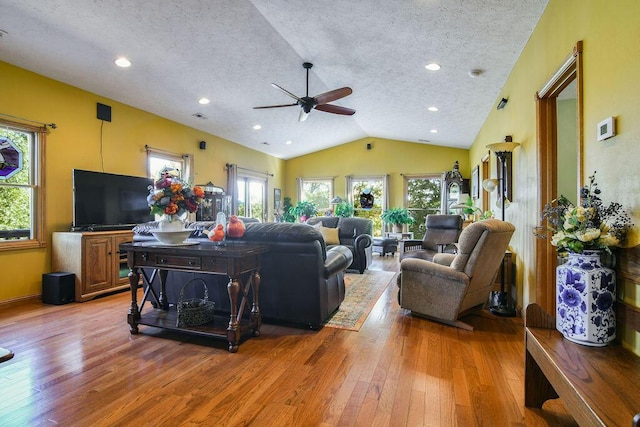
(610, 32)
(386, 157)
(76, 143)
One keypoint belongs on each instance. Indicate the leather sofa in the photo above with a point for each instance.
(354, 233)
(302, 281)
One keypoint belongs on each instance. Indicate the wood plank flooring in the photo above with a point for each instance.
(78, 365)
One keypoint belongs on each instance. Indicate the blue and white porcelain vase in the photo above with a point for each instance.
(585, 296)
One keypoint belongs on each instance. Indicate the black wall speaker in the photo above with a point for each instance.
(58, 288)
(368, 146)
(104, 112)
(203, 145)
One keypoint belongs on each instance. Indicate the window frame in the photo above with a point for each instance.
(37, 173)
(327, 180)
(418, 227)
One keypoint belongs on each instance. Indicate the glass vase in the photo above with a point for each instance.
(585, 297)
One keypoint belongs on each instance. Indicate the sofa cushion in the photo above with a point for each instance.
(330, 235)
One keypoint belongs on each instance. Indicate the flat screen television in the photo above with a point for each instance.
(105, 201)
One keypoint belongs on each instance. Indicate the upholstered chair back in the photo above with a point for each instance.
(481, 248)
(441, 229)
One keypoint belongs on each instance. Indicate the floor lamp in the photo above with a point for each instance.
(503, 152)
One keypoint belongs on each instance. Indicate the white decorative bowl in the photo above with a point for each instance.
(173, 237)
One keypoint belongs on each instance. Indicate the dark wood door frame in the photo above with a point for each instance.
(546, 109)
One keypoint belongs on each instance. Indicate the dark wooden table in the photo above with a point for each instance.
(238, 260)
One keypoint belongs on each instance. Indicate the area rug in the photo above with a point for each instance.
(362, 293)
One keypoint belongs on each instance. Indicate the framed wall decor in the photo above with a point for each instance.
(277, 199)
(475, 183)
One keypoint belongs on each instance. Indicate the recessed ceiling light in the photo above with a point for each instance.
(123, 62)
(432, 108)
(204, 101)
(434, 131)
(432, 67)
(289, 142)
(257, 127)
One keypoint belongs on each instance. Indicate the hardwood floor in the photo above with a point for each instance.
(78, 365)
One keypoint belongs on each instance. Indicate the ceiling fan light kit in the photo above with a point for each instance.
(318, 102)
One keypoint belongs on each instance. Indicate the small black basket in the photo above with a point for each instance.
(194, 311)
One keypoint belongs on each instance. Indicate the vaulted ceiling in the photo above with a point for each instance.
(230, 51)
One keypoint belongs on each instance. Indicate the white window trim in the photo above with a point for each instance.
(38, 222)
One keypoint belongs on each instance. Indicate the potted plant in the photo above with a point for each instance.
(343, 209)
(397, 217)
(304, 210)
(469, 210)
(287, 211)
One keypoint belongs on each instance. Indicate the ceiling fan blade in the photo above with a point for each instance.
(333, 95)
(335, 109)
(286, 91)
(303, 115)
(275, 106)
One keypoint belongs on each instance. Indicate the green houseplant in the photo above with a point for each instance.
(304, 210)
(343, 209)
(287, 211)
(397, 217)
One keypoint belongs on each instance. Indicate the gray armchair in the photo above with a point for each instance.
(354, 233)
(447, 288)
(440, 234)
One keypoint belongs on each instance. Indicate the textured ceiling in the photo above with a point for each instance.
(230, 51)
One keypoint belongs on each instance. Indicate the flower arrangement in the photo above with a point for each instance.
(170, 196)
(591, 225)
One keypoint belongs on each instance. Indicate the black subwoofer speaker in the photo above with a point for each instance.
(58, 288)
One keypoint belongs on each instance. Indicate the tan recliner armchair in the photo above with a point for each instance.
(447, 288)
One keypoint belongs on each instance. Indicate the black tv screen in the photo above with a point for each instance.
(109, 201)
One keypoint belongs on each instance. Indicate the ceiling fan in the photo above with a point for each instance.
(318, 102)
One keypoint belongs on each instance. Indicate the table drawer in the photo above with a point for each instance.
(177, 261)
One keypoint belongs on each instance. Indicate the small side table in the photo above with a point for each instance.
(399, 236)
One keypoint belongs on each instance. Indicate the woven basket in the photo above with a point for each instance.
(194, 311)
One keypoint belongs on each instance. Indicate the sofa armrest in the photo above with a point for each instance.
(363, 241)
(339, 258)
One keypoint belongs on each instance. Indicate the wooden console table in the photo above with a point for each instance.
(598, 385)
(237, 260)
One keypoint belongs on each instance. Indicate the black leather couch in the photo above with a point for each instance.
(354, 233)
(302, 282)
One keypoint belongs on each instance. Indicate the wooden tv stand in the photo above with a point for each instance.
(94, 258)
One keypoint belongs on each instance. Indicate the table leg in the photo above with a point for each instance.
(162, 299)
(256, 317)
(134, 313)
(233, 331)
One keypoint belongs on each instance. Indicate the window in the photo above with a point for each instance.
(422, 194)
(369, 197)
(158, 159)
(251, 197)
(318, 191)
(21, 191)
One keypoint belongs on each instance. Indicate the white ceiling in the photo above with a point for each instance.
(230, 51)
